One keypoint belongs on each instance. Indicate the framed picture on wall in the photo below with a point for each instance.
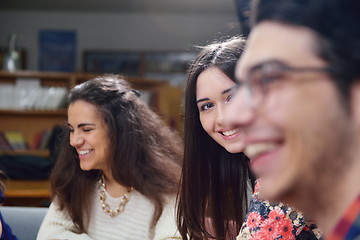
(119, 62)
(168, 65)
(170, 62)
(57, 50)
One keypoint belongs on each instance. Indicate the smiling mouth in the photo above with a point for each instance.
(253, 150)
(84, 152)
(230, 132)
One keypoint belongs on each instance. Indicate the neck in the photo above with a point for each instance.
(347, 191)
(113, 188)
(332, 199)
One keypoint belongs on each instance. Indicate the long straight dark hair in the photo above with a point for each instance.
(214, 181)
(144, 152)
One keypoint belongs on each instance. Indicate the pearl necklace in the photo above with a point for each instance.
(105, 207)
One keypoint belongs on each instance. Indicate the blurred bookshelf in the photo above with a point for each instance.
(33, 120)
(33, 116)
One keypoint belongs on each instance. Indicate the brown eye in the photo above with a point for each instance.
(206, 106)
(272, 72)
(229, 97)
(265, 74)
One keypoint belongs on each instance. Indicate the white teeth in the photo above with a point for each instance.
(255, 149)
(82, 152)
(230, 132)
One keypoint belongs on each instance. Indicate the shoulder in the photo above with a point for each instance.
(280, 218)
(6, 232)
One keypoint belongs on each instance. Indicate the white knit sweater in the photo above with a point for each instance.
(132, 224)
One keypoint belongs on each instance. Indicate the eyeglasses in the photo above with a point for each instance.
(262, 76)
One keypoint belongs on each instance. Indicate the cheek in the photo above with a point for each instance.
(279, 112)
(105, 144)
(289, 107)
(103, 152)
(305, 122)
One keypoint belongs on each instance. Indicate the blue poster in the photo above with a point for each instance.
(57, 50)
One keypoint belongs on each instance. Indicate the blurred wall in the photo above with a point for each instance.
(117, 31)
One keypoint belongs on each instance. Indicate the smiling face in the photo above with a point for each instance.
(297, 134)
(88, 135)
(213, 93)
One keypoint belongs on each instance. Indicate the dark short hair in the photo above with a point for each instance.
(335, 24)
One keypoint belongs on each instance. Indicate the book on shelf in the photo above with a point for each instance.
(22, 82)
(36, 142)
(45, 139)
(16, 139)
(27, 93)
(4, 143)
(41, 140)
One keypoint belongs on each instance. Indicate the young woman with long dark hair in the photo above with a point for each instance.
(216, 183)
(118, 168)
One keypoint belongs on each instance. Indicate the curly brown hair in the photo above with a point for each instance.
(144, 154)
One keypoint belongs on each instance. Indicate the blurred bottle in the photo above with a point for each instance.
(12, 55)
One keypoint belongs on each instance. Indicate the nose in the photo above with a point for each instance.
(220, 115)
(76, 139)
(240, 111)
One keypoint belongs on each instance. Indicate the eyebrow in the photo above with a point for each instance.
(202, 100)
(258, 66)
(229, 89)
(82, 125)
(270, 61)
(222, 93)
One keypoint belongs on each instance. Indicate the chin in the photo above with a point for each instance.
(233, 149)
(85, 168)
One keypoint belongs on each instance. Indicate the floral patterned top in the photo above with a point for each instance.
(276, 221)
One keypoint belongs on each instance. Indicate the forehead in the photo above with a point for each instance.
(83, 111)
(212, 81)
(269, 40)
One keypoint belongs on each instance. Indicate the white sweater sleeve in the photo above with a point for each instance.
(166, 228)
(58, 225)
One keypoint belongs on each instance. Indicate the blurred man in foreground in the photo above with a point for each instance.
(298, 104)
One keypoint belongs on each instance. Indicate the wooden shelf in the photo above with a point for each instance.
(59, 112)
(34, 74)
(50, 79)
(136, 82)
(39, 153)
(27, 188)
(145, 82)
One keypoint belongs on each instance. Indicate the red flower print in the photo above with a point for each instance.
(306, 228)
(276, 214)
(261, 235)
(270, 228)
(253, 220)
(285, 228)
